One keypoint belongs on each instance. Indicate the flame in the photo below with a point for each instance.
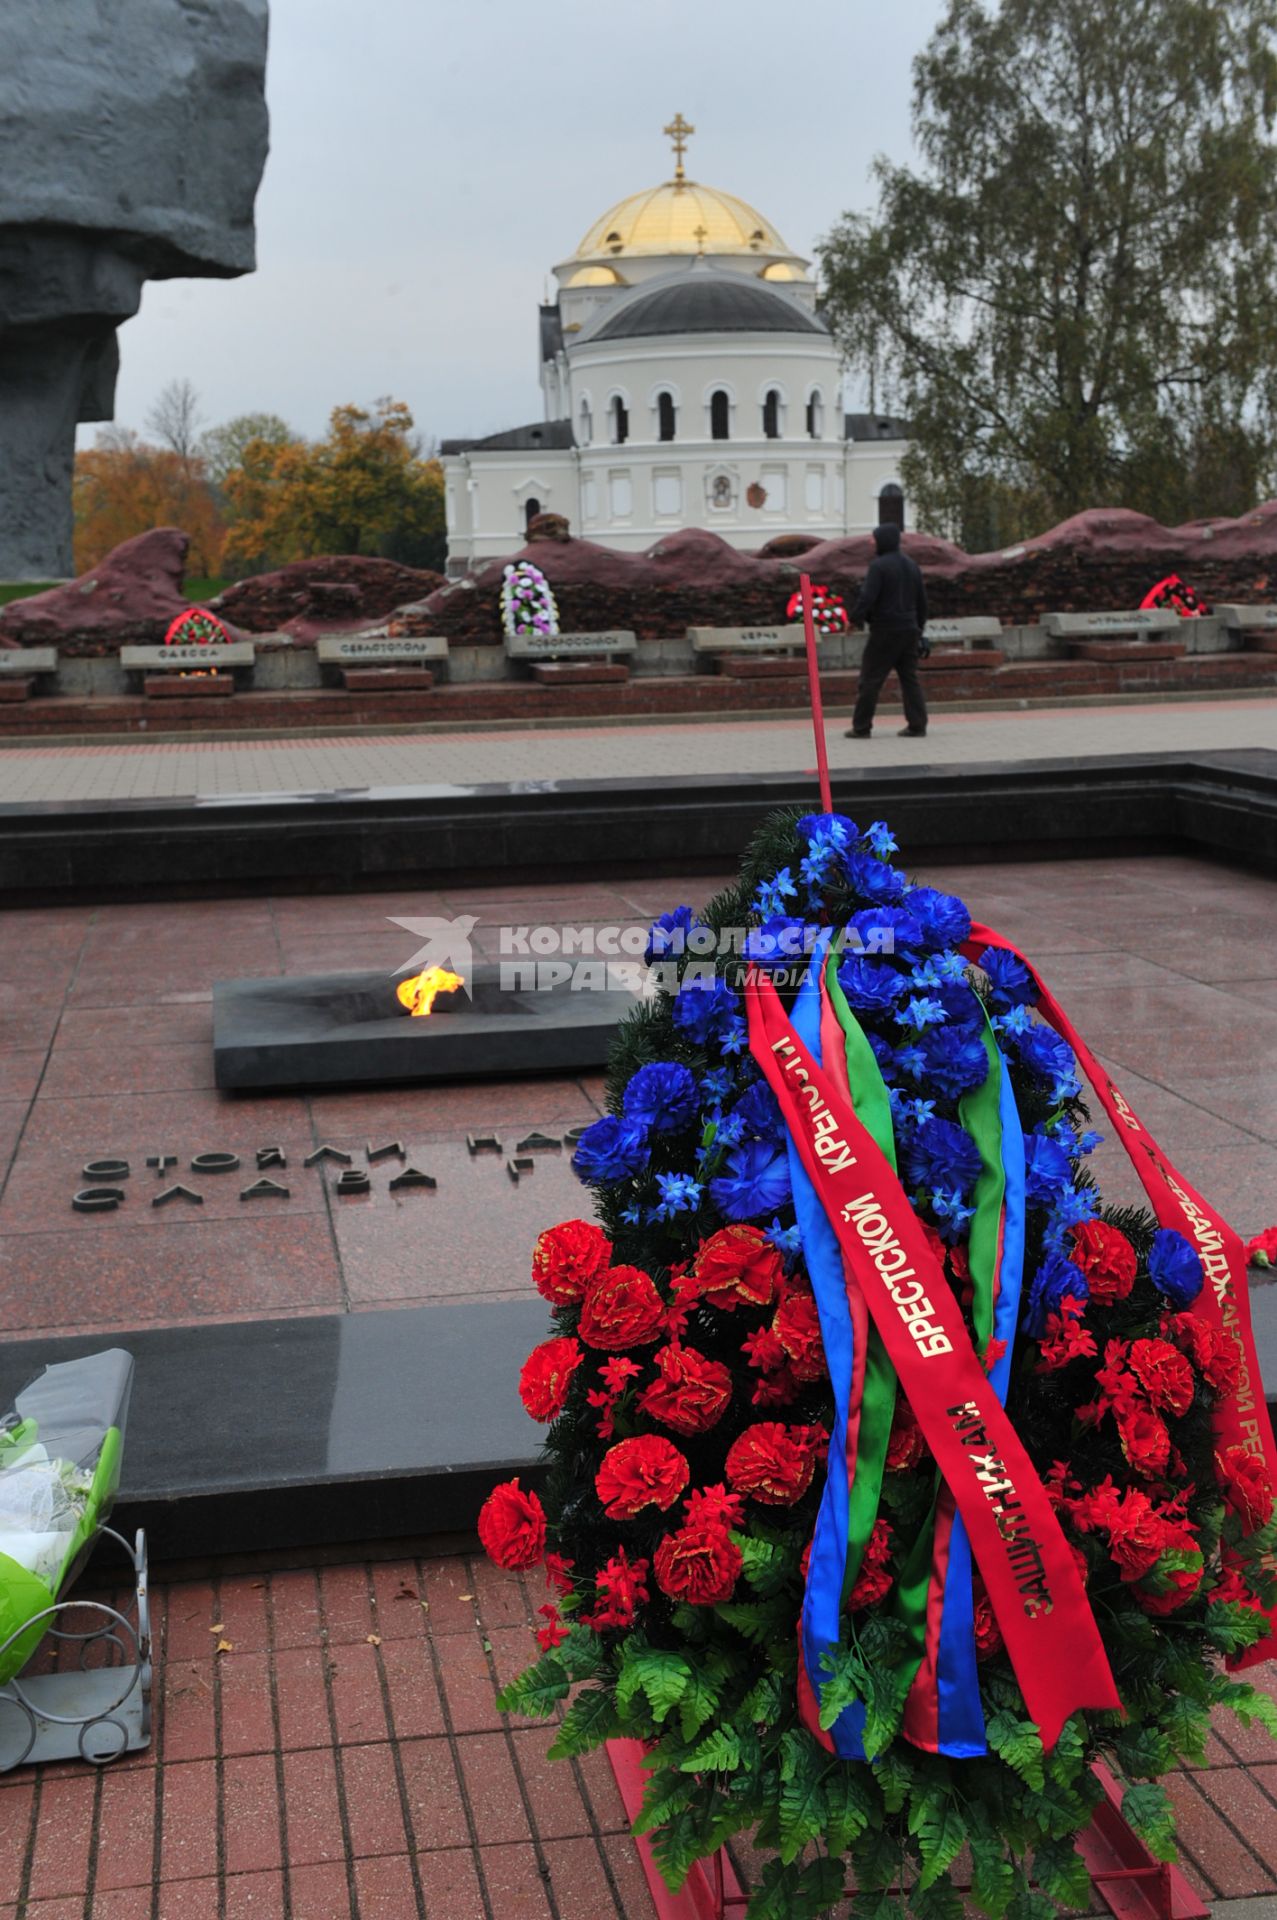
(418, 994)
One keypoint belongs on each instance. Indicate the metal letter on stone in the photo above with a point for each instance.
(413, 1177)
(392, 1147)
(484, 1143)
(263, 1189)
(271, 1157)
(97, 1199)
(214, 1162)
(106, 1170)
(538, 1142)
(327, 1153)
(161, 1162)
(520, 1163)
(178, 1192)
(353, 1180)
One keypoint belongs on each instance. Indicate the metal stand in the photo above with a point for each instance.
(81, 1712)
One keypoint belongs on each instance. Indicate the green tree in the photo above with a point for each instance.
(364, 489)
(1074, 298)
(222, 448)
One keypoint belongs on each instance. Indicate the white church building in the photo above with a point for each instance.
(688, 381)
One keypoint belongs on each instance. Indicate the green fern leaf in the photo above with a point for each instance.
(538, 1690)
(720, 1753)
(1148, 1812)
(588, 1722)
(1019, 1744)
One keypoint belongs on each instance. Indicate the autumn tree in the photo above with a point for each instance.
(1073, 299)
(364, 489)
(125, 486)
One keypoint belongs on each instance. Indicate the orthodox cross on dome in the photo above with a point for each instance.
(700, 235)
(678, 131)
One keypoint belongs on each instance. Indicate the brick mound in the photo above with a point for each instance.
(326, 595)
(129, 599)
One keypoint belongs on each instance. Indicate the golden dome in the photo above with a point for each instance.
(680, 217)
(780, 270)
(596, 277)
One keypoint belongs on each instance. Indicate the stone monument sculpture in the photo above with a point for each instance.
(132, 141)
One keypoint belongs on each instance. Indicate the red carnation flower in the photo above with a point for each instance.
(738, 1267)
(1164, 1374)
(512, 1526)
(1212, 1351)
(775, 1463)
(566, 1258)
(622, 1309)
(646, 1471)
(558, 1572)
(1145, 1442)
(1106, 1257)
(797, 1327)
(692, 1393)
(700, 1564)
(1223, 1370)
(905, 1446)
(1178, 1575)
(1137, 1533)
(547, 1375)
(622, 1590)
(1247, 1487)
(1262, 1250)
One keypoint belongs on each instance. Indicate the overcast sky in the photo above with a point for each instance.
(430, 161)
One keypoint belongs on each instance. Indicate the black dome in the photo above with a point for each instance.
(704, 303)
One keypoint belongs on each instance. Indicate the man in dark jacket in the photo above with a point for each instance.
(893, 600)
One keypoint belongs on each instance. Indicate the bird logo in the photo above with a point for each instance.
(446, 945)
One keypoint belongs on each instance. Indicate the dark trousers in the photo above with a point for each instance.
(885, 653)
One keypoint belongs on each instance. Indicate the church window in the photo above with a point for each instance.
(531, 508)
(665, 416)
(620, 495)
(587, 423)
(816, 415)
(620, 420)
(771, 414)
(719, 415)
(891, 506)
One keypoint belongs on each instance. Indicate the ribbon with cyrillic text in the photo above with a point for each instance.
(1241, 1418)
(1033, 1584)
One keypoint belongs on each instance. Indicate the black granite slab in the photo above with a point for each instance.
(1217, 803)
(258, 1434)
(347, 1029)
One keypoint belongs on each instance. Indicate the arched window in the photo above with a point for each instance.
(531, 508)
(665, 416)
(587, 422)
(620, 420)
(720, 415)
(816, 415)
(771, 414)
(891, 506)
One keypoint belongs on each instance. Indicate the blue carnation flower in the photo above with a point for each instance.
(704, 1009)
(869, 987)
(1045, 1054)
(756, 1181)
(883, 930)
(759, 1113)
(1053, 1279)
(943, 918)
(1010, 982)
(942, 1155)
(661, 1096)
(610, 1150)
(1046, 1169)
(873, 879)
(956, 1061)
(779, 942)
(669, 935)
(833, 827)
(1175, 1268)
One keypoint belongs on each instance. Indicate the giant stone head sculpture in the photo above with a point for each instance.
(133, 134)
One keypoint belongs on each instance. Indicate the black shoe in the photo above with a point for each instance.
(913, 733)
(859, 733)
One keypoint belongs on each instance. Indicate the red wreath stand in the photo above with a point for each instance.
(1130, 1882)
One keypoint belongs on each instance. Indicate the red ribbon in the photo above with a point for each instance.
(1241, 1419)
(1033, 1584)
